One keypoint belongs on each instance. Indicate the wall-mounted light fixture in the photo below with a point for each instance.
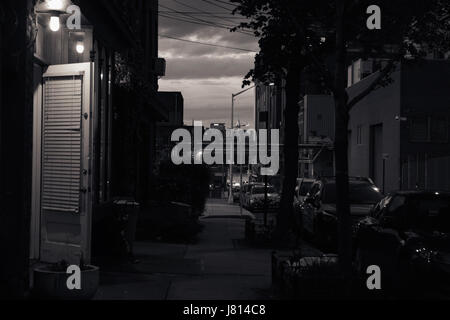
(54, 22)
(80, 47)
(53, 8)
(76, 41)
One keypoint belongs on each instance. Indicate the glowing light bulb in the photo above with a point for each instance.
(54, 23)
(80, 47)
(55, 4)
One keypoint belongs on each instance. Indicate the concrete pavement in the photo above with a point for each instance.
(216, 208)
(218, 266)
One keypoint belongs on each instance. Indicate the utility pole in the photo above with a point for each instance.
(234, 95)
(268, 126)
(240, 191)
(230, 192)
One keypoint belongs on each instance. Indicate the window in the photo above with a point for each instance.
(397, 203)
(439, 129)
(419, 129)
(359, 193)
(359, 138)
(429, 129)
(380, 207)
(314, 190)
(304, 188)
(262, 190)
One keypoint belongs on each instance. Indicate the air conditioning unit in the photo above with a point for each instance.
(160, 67)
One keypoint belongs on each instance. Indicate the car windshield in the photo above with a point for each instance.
(430, 213)
(360, 192)
(304, 188)
(261, 190)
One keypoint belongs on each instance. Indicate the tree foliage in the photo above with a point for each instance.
(320, 38)
(303, 32)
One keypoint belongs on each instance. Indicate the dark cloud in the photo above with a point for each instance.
(207, 76)
(207, 67)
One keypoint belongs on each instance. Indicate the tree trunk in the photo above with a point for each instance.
(341, 147)
(291, 132)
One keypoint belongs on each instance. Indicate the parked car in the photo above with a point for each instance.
(408, 236)
(318, 211)
(246, 193)
(255, 198)
(301, 191)
(236, 192)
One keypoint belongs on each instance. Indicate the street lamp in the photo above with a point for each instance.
(233, 96)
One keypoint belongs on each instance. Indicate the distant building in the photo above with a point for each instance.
(173, 103)
(316, 125)
(270, 102)
(219, 126)
(399, 134)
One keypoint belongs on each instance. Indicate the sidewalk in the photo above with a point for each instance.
(219, 208)
(218, 266)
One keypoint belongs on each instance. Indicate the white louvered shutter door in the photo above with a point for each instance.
(61, 145)
(65, 164)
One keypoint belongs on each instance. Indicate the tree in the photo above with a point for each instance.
(283, 55)
(409, 30)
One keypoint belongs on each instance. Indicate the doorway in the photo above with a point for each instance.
(62, 204)
(376, 155)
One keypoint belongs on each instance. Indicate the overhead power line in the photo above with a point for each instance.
(199, 10)
(218, 5)
(221, 13)
(217, 15)
(205, 43)
(202, 23)
(226, 2)
(193, 19)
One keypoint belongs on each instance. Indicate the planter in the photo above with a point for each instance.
(308, 277)
(279, 261)
(50, 284)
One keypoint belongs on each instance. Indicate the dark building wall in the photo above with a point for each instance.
(380, 107)
(16, 121)
(425, 132)
(409, 121)
(173, 103)
(15, 146)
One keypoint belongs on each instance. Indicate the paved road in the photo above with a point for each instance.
(218, 266)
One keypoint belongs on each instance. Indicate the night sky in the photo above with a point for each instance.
(206, 75)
